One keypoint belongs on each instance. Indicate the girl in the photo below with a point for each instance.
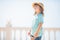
(36, 32)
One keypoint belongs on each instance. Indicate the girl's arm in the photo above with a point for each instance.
(38, 30)
(29, 33)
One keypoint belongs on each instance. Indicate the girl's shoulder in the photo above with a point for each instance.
(40, 15)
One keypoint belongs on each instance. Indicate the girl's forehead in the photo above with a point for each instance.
(36, 5)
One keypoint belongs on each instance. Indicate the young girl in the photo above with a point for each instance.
(36, 32)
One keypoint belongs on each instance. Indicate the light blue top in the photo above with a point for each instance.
(38, 18)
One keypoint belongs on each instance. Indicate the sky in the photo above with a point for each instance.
(20, 12)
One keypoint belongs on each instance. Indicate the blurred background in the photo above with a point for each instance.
(19, 13)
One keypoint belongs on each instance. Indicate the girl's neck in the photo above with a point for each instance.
(38, 12)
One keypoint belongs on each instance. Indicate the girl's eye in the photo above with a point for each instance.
(36, 7)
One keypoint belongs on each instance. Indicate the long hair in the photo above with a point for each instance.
(41, 9)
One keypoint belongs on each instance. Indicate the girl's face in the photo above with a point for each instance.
(36, 8)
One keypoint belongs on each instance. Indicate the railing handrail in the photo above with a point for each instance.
(26, 28)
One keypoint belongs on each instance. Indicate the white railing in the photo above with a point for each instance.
(8, 32)
(17, 33)
(49, 35)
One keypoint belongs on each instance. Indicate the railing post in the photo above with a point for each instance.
(8, 31)
(44, 35)
(20, 34)
(48, 34)
(8, 34)
(14, 34)
(54, 35)
(0, 35)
